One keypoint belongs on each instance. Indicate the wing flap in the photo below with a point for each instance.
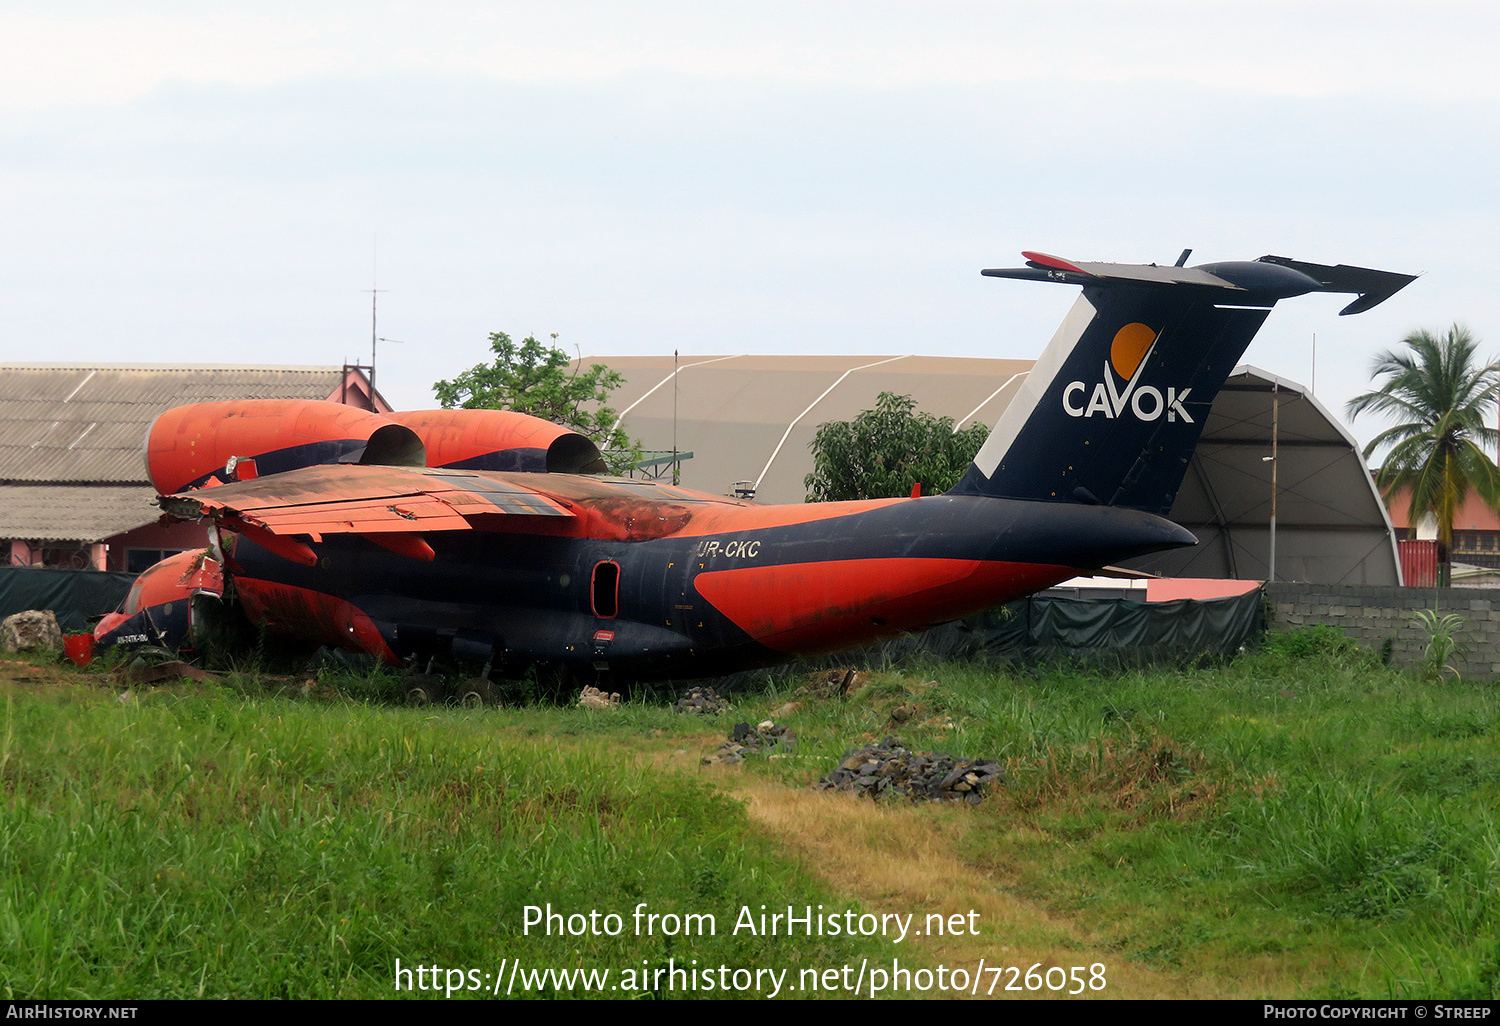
(359, 517)
(351, 499)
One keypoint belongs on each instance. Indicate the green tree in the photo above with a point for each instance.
(883, 452)
(1439, 449)
(539, 379)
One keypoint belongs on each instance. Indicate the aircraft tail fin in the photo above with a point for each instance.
(1112, 411)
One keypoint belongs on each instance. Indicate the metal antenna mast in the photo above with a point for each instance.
(676, 464)
(374, 335)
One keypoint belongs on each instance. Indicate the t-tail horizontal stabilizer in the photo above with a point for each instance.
(1374, 287)
(1112, 411)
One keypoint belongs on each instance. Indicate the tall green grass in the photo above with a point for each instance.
(1302, 816)
(224, 846)
(1305, 802)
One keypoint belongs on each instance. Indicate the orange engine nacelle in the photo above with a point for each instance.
(191, 446)
(500, 440)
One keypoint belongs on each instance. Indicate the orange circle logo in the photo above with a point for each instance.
(1129, 348)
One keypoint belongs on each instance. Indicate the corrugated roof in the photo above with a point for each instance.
(74, 513)
(78, 423)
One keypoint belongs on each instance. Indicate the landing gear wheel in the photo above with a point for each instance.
(423, 689)
(477, 693)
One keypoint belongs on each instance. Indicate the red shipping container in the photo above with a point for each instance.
(1419, 563)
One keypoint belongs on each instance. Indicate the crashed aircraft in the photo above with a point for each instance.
(494, 538)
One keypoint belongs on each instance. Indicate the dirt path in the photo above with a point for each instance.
(902, 859)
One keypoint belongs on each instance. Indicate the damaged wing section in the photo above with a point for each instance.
(390, 506)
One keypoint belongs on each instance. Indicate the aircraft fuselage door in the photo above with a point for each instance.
(605, 590)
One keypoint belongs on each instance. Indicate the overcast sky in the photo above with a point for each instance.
(210, 182)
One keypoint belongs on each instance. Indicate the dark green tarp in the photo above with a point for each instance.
(73, 595)
(1046, 627)
(1054, 628)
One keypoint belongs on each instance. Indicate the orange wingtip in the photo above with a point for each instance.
(1048, 260)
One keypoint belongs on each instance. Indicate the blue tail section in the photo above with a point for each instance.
(1114, 407)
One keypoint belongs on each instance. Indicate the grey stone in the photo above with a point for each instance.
(745, 740)
(889, 768)
(29, 631)
(702, 701)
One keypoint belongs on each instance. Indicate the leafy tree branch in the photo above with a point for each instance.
(542, 380)
(884, 452)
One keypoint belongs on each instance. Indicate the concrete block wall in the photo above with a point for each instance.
(1370, 615)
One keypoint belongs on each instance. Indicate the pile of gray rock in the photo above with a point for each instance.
(888, 769)
(764, 738)
(30, 631)
(702, 701)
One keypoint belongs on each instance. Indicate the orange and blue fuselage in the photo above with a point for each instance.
(651, 581)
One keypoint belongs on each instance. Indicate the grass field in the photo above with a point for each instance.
(1301, 822)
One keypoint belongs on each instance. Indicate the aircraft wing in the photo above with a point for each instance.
(381, 503)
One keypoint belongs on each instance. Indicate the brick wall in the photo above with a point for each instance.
(1370, 615)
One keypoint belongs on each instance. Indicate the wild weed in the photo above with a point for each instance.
(1444, 652)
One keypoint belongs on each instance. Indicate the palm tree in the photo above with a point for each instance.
(1438, 451)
